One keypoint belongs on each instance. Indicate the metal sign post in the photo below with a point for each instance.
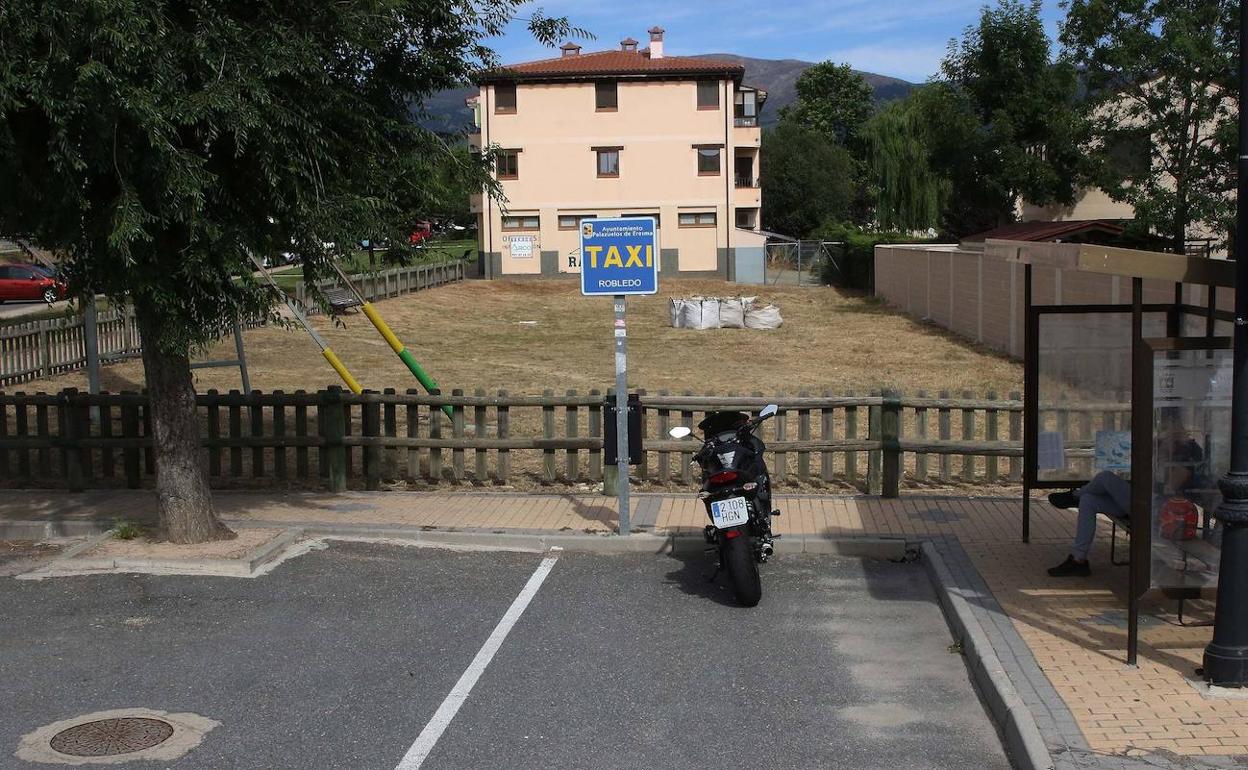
(621, 411)
(619, 256)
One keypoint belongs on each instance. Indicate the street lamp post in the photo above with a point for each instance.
(1226, 657)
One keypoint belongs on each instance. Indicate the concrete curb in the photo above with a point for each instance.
(1023, 739)
(538, 540)
(48, 529)
(248, 565)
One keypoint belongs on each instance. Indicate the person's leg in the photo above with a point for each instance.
(1112, 492)
(1085, 531)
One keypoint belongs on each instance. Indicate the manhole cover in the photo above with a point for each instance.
(108, 737)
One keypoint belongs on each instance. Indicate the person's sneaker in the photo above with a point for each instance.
(1064, 499)
(1071, 568)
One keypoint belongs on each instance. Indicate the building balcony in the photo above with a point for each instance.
(748, 196)
(746, 180)
(742, 121)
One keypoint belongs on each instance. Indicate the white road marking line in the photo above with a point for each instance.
(428, 738)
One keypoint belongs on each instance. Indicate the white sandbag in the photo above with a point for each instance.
(710, 313)
(732, 313)
(690, 314)
(763, 318)
(673, 310)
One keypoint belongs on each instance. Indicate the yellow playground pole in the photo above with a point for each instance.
(330, 356)
(393, 341)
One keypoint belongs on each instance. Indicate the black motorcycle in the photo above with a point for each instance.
(737, 491)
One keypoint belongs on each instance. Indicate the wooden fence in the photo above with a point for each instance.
(337, 440)
(34, 350)
(391, 282)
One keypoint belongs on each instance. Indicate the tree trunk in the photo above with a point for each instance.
(183, 501)
(1179, 234)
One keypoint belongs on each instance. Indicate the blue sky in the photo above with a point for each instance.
(902, 39)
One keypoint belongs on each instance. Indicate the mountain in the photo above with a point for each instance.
(778, 77)
(445, 110)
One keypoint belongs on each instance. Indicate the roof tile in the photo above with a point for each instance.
(621, 63)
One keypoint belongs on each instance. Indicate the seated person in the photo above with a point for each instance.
(1110, 494)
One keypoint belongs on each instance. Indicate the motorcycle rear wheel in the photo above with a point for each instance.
(742, 570)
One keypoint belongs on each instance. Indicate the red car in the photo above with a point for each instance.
(422, 232)
(29, 282)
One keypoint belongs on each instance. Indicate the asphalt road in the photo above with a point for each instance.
(341, 658)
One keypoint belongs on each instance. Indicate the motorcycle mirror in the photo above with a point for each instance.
(679, 431)
(768, 411)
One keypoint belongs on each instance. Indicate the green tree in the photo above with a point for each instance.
(806, 179)
(910, 193)
(157, 145)
(1029, 142)
(1162, 105)
(833, 100)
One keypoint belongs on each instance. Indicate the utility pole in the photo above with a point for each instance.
(1226, 657)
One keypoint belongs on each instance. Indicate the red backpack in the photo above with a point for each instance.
(1178, 519)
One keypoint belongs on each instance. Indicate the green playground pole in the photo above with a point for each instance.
(393, 341)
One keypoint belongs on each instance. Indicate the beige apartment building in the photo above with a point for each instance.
(627, 132)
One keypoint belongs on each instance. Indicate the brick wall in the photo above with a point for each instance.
(981, 296)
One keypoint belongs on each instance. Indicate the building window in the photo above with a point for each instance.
(522, 222)
(708, 161)
(608, 161)
(508, 164)
(652, 214)
(708, 94)
(573, 221)
(505, 97)
(697, 219)
(747, 219)
(606, 96)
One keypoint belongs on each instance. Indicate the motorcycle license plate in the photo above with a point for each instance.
(729, 513)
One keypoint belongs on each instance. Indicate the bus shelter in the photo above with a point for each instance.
(1139, 386)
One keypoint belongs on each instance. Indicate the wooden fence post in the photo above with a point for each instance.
(548, 433)
(968, 434)
(944, 427)
(504, 431)
(130, 431)
(391, 453)
(301, 431)
(992, 433)
(435, 432)
(780, 472)
(827, 433)
(851, 434)
(572, 465)
(458, 433)
(279, 434)
(481, 469)
(803, 434)
(1016, 435)
(920, 432)
(256, 413)
(333, 430)
(70, 430)
(890, 440)
(664, 425)
(370, 431)
(412, 416)
(595, 431)
(875, 457)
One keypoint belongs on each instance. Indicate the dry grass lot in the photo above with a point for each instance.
(526, 336)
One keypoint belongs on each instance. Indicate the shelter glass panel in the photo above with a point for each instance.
(1084, 370)
(1191, 451)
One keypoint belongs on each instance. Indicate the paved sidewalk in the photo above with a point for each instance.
(1062, 642)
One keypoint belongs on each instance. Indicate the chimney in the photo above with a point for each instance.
(656, 42)
(628, 44)
(570, 49)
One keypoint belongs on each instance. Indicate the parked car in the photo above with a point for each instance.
(421, 232)
(30, 282)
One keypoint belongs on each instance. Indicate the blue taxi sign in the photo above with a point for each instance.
(619, 256)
